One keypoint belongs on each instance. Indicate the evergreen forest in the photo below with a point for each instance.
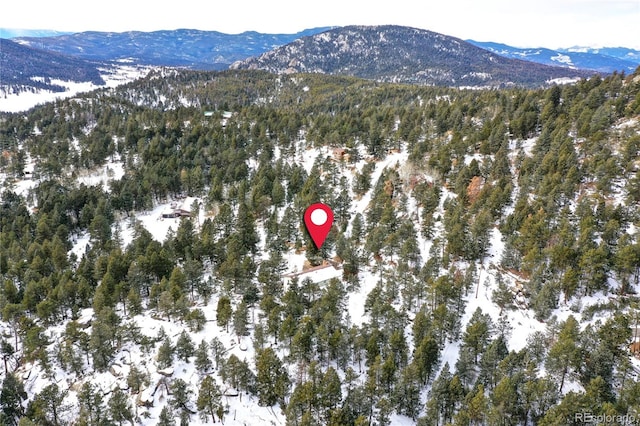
(485, 253)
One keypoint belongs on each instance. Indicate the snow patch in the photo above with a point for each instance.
(563, 59)
(563, 80)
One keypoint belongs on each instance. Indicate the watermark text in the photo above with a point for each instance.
(606, 419)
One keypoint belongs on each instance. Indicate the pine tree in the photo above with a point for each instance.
(196, 320)
(209, 401)
(246, 229)
(165, 354)
(594, 267)
(47, 407)
(134, 302)
(426, 357)
(627, 263)
(506, 406)
(177, 281)
(330, 390)
(181, 398)
(217, 350)
(406, 395)
(272, 379)
(92, 407)
(563, 354)
(502, 295)
(542, 394)
(496, 352)
(203, 361)
(104, 338)
(440, 402)
(477, 407)
(136, 379)
(11, 398)
(357, 229)
(384, 411)
(565, 412)
(231, 371)
(120, 408)
(477, 334)
(247, 378)
(299, 408)
(241, 320)
(224, 312)
(184, 346)
(26, 422)
(302, 342)
(465, 367)
(166, 417)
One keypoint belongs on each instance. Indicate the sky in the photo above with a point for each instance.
(521, 23)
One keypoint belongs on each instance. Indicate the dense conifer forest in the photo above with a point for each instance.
(486, 241)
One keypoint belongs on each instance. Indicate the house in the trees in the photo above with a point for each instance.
(321, 274)
(340, 154)
(175, 210)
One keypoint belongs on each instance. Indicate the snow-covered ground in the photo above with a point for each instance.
(245, 410)
(152, 220)
(563, 80)
(113, 77)
(113, 170)
(16, 102)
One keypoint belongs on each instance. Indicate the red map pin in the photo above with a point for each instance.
(318, 219)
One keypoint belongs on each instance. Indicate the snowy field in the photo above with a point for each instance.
(113, 77)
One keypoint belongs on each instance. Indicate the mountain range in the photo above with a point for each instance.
(214, 50)
(384, 53)
(402, 54)
(203, 50)
(605, 60)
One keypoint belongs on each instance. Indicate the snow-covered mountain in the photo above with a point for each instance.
(605, 60)
(403, 54)
(214, 50)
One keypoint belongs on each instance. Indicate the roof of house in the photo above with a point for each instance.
(316, 274)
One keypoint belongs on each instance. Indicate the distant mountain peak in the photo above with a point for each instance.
(402, 54)
(602, 59)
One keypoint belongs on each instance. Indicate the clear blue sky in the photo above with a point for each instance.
(522, 23)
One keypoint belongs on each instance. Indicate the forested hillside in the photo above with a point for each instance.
(203, 50)
(483, 266)
(26, 68)
(398, 54)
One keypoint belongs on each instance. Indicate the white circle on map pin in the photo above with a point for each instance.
(318, 217)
